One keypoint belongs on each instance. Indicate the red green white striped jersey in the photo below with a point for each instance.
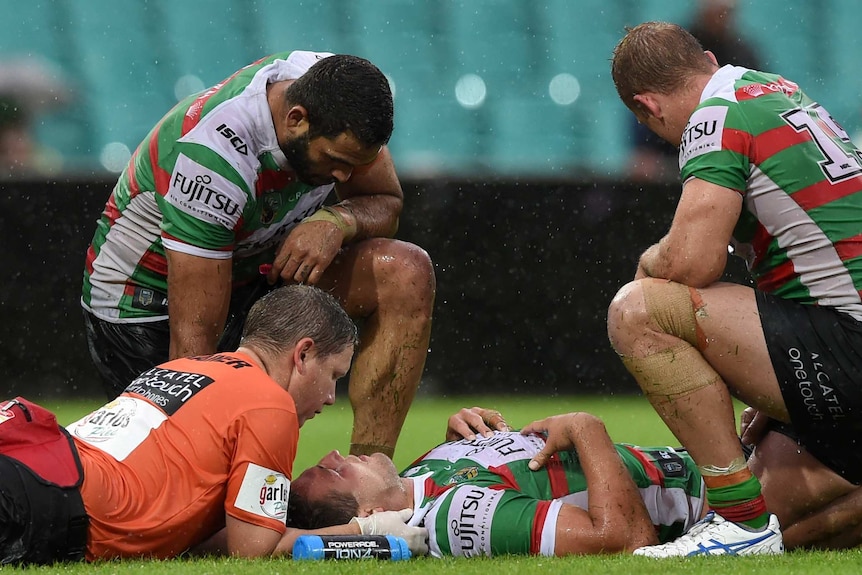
(800, 176)
(209, 180)
(478, 497)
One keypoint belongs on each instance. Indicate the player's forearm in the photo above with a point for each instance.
(663, 261)
(375, 216)
(199, 291)
(615, 504)
(196, 329)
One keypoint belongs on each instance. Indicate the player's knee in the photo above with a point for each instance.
(655, 305)
(408, 272)
(626, 314)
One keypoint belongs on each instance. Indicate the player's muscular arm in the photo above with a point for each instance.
(370, 205)
(374, 198)
(198, 300)
(616, 519)
(694, 251)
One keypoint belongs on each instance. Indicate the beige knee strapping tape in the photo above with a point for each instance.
(674, 307)
(671, 373)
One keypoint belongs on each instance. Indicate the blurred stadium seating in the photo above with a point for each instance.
(482, 86)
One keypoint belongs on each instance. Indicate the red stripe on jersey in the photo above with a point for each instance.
(539, 519)
(154, 262)
(434, 490)
(652, 472)
(557, 476)
(775, 140)
(759, 243)
(195, 111)
(161, 177)
(505, 474)
(268, 180)
(112, 213)
(134, 188)
(737, 141)
(849, 248)
(776, 277)
(825, 191)
(91, 257)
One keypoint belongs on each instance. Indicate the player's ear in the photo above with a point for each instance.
(648, 105)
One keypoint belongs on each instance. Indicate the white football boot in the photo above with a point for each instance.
(714, 535)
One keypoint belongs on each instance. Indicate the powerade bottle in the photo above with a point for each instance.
(351, 547)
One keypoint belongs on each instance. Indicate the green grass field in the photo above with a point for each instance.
(628, 418)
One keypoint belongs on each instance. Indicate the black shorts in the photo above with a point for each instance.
(817, 356)
(40, 523)
(122, 351)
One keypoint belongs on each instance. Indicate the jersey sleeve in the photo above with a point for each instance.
(203, 204)
(470, 521)
(716, 147)
(262, 467)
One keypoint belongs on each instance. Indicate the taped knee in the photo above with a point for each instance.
(671, 373)
(674, 308)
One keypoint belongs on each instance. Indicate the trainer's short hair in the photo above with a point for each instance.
(279, 319)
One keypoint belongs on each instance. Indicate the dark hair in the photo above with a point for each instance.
(344, 93)
(335, 509)
(285, 315)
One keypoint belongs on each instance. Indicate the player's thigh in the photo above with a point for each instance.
(734, 345)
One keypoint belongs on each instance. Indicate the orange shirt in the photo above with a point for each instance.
(186, 443)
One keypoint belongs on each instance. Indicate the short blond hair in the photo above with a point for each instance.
(656, 57)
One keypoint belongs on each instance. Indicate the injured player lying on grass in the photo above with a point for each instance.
(491, 491)
(478, 495)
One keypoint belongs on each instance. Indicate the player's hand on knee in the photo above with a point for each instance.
(469, 421)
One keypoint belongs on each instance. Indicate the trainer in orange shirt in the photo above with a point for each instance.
(197, 453)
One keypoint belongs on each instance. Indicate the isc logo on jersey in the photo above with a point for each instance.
(703, 133)
(264, 492)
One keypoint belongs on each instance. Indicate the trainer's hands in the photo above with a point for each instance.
(564, 433)
(395, 523)
(469, 421)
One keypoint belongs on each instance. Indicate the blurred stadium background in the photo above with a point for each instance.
(510, 142)
(482, 86)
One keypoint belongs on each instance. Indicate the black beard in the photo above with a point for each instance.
(296, 153)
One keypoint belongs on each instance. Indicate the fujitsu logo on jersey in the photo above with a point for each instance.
(695, 131)
(704, 132)
(464, 527)
(198, 189)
